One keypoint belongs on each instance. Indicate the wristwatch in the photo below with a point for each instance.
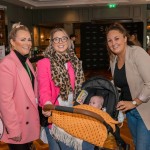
(134, 103)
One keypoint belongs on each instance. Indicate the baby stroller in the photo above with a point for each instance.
(97, 86)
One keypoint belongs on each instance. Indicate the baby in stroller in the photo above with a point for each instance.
(96, 101)
(92, 89)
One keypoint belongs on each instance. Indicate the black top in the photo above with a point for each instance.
(120, 81)
(23, 61)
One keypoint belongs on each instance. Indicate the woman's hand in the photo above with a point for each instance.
(125, 105)
(46, 113)
(17, 138)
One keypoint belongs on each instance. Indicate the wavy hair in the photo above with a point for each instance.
(119, 27)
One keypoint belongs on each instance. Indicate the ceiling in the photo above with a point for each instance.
(72, 3)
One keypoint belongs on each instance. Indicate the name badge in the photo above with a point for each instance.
(82, 96)
(36, 100)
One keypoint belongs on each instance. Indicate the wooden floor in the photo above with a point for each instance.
(110, 142)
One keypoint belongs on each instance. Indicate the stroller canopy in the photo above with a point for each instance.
(100, 86)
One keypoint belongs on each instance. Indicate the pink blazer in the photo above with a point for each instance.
(18, 106)
(47, 89)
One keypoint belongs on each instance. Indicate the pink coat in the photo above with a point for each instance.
(18, 106)
(47, 89)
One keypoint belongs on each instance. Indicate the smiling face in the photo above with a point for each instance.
(22, 42)
(116, 42)
(60, 42)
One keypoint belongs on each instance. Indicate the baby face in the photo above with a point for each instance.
(96, 101)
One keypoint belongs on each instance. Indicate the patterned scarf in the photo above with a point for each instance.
(60, 74)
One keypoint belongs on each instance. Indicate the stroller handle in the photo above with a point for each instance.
(49, 107)
(121, 143)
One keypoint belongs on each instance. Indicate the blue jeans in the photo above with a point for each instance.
(53, 145)
(58, 145)
(139, 132)
(87, 146)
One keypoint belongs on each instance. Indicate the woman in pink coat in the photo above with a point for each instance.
(60, 78)
(18, 104)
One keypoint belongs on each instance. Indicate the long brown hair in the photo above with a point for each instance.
(119, 27)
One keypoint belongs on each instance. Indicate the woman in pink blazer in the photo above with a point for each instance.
(18, 104)
(60, 78)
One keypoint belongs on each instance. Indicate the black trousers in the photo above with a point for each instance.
(26, 146)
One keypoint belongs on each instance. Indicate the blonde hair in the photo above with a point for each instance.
(15, 28)
(53, 31)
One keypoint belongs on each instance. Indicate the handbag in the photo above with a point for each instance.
(43, 119)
